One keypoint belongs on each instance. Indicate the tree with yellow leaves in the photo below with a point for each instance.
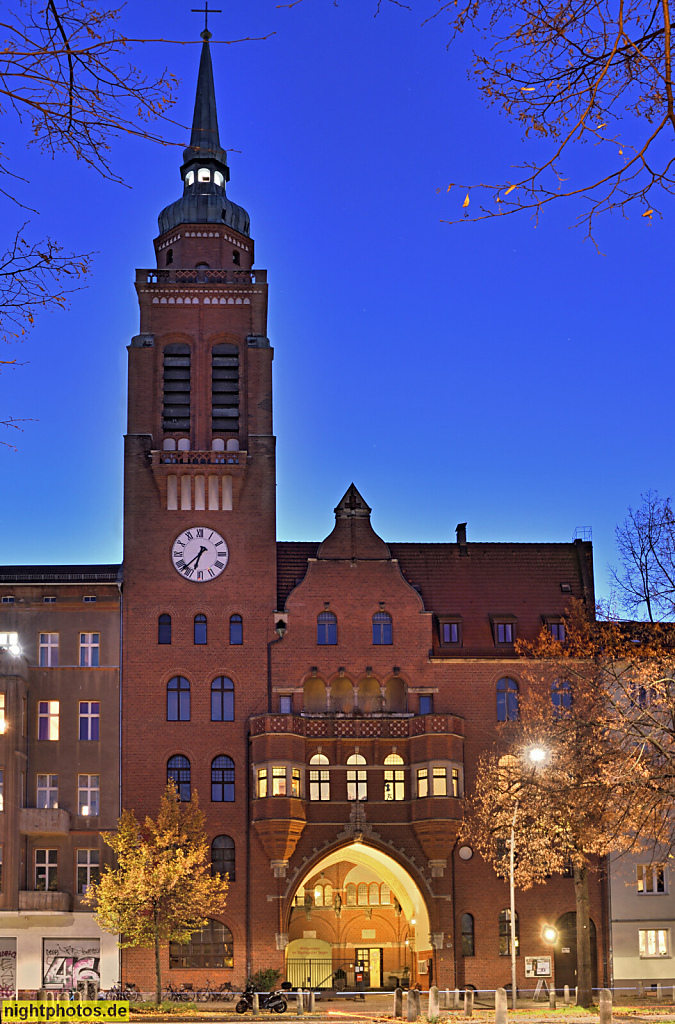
(162, 889)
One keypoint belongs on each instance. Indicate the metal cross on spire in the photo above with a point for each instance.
(205, 10)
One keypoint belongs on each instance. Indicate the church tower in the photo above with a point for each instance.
(199, 511)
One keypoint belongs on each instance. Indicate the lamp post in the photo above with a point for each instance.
(536, 756)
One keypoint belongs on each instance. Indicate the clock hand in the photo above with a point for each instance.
(197, 557)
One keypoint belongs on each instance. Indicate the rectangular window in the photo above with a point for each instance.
(88, 870)
(285, 705)
(8, 600)
(262, 783)
(319, 784)
(440, 782)
(394, 784)
(9, 640)
(504, 632)
(653, 942)
(455, 781)
(225, 388)
(88, 795)
(295, 782)
(278, 781)
(89, 719)
(423, 782)
(49, 650)
(557, 631)
(47, 792)
(46, 870)
(89, 648)
(450, 632)
(651, 878)
(48, 720)
(89, 599)
(176, 407)
(49, 600)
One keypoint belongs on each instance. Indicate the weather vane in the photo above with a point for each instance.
(206, 11)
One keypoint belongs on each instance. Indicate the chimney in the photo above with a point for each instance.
(460, 530)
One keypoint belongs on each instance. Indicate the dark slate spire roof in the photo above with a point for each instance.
(204, 202)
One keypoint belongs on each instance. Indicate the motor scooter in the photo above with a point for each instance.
(273, 1001)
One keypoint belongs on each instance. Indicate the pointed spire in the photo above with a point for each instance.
(353, 537)
(205, 140)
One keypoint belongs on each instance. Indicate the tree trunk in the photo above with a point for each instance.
(584, 967)
(158, 962)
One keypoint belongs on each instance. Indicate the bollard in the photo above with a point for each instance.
(566, 995)
(446, 996)
(640, 990)
(455, 1001)
(411, 1005)
(576, 995)
(418, 1001)
(433, 1008)
(398, 1002)
(551, 998)
(673, 995)
(42, 994)
(659, 992)
(468, 1002)
(255, 1009)
(605, 1002)
(312, 998)
(501, 1006)
(299, 1007)
(64, 996)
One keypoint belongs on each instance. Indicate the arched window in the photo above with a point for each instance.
(164, 629)
(342, 695)
(218, 444)
(382, 629)
(468, 946)
(233, 444)
(222, 857)
(314, 695)
(326, 628)
(211, 947)
(319, 778)
(396, 696)
(505, 933)
(362, 894)
(328, 895)
(374, 894)
(203, 174)
(507, 700)
(178, 772)
(190, 178)
(368, 695)
(394, 778)
(350, 894)
(222, 779)
(357, 781)
(236, 629)
(169, 257)
(169, 444)
(200, 629)
(176, 408)
(385, 895)
(218, 178)
(222, 699)
(183, 444)
(318, 896)
(561, 695)
(178, 699)
(236, 257)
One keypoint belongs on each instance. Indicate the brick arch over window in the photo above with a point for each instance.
(222, 857)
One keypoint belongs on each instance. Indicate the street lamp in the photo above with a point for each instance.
(536, 755)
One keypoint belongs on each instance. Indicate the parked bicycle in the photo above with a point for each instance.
(215, 993)
(184, 994)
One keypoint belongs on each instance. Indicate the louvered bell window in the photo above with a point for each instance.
(225, 388)
(176, 410)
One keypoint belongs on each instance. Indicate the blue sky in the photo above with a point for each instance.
(498, 373)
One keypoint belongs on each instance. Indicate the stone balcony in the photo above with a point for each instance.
(36, 821)
(54, 902)
(201, 275)
(346, 726)
(181, 458)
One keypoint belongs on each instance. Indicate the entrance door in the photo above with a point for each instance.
(565, 954)
(371, 960)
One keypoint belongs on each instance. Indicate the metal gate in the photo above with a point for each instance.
(301, 973)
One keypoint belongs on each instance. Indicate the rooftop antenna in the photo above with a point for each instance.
(206, 11)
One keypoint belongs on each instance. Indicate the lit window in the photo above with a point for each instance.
(87, 869)
(357, 781)
(218, 178)
(450, 633)
(203, 174)
(190, 178)
(89, 650)
(46, 870)
(394, 778)
(455, 781)
(211, 947)
(295, 782)
(505, 933)
(278, 780)
(236, 629)
(319, 779)
(318, 896)
(468, 947)
(350, 894)
(178, 771)
(49, 650)
(222, 700)
(87, 795)
(557, 630)
(48, 720)
(90, 599)
(507, 700)
(89, 719)
(385, 895)
(178, 699)
(426, 704)
(504, 632)
(262, 783)
(164, 629)
(439, 781)
(382, 628)
(651, 878)
(222, 857)
(422, 782)
(222, 779)
(47, 792)
(362, 894)
(326, 628)
(9, 640)
(653, 942)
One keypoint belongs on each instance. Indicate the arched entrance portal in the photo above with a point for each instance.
(566, 952)
(358, 918)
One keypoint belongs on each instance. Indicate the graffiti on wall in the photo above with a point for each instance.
(65, 962)
(7, 968)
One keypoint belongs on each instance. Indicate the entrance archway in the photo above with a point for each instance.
(565, 954)
(370, 911)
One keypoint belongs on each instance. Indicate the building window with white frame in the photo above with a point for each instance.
(49, 650)
(88, 870)
(651, 879)
(357, 780)
(654, 942)
(422, 782)
(48, 720)
(319, 778)
(394, 778)
(89, 650)
(47, 792)
(262, 783)
(439, 778)
(88, 794)
(89, 720)
(46, 870)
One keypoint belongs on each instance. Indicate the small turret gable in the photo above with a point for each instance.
(353, 536)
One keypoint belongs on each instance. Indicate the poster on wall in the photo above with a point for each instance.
(537, 966)
(67, 961)
(7, 968)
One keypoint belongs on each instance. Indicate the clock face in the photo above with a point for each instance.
(199, 554)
